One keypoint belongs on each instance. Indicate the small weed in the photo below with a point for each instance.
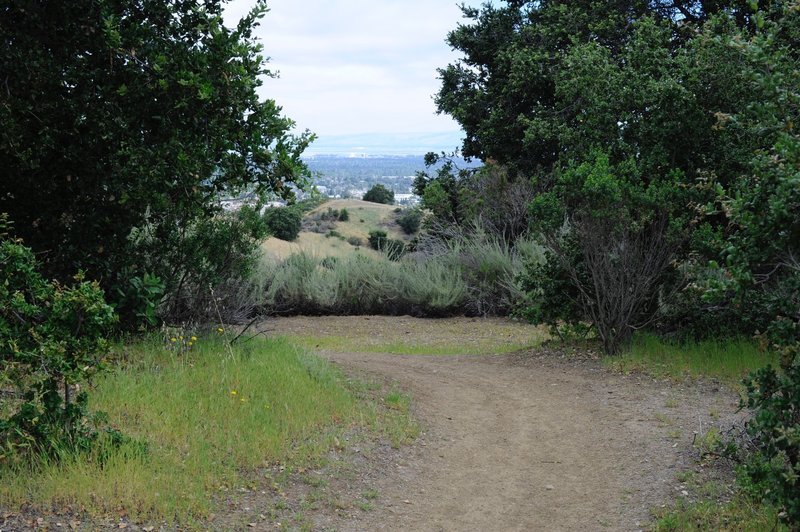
(365, 506)
(674, 434)
(664, 419)
(281, 505)
(315, 481)
(671, 403)
(709, 442)
(370, 495)
(396, 400)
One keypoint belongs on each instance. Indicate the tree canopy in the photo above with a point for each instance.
(122, 123)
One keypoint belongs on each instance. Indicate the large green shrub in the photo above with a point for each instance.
(51, 344)
(379, 194)
(284, 222)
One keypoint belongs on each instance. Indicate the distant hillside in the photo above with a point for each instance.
(316, 237)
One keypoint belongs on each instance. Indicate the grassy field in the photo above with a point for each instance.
(203, 422)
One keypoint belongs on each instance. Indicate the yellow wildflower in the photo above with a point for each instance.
(233, 392)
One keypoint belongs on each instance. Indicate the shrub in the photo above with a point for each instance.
(410, 221)
(344, 215)
(379, 194)
(474, 275)
(377, 239)
(355, 241)
(52, 343)
(210, 255)
(284, 222)
(774, 467)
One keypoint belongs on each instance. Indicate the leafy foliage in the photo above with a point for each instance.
(124, 118)
(774, 469)
(52, 340)
(379, 194)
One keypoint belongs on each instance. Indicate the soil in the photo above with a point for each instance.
(540, 439)
(534, 440)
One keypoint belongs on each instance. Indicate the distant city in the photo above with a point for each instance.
(350, 175)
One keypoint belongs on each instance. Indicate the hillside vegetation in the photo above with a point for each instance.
(315, 239)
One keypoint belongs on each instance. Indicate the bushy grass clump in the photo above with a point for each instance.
(475, 275)
(199, 421)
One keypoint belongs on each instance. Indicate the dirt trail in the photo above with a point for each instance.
(532, 442)
(528, 441)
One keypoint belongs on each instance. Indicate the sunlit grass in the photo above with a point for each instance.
(725, 360)
(206, 419)
(484, 346)
(741, 513)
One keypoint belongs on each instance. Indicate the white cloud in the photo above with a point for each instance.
(356, 66)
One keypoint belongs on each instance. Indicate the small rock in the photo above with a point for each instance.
(407, 501)
(251, 525)
(148, 528)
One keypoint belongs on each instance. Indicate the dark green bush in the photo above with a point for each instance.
(344, 215)
(284, 222)
(410, 221)
(355, 241)
(377, 239)
(379, 194)
(52, 341)
(774, 467)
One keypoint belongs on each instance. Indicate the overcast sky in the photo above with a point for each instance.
(355, 67)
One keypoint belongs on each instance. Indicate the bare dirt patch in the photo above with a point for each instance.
(534, 440)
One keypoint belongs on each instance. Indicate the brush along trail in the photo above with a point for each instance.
(532, 440)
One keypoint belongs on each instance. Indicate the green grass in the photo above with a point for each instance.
(739, 514)
(725, 360)
(209, 420)
(356, 345)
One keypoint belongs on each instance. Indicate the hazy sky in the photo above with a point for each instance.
(355, 67)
